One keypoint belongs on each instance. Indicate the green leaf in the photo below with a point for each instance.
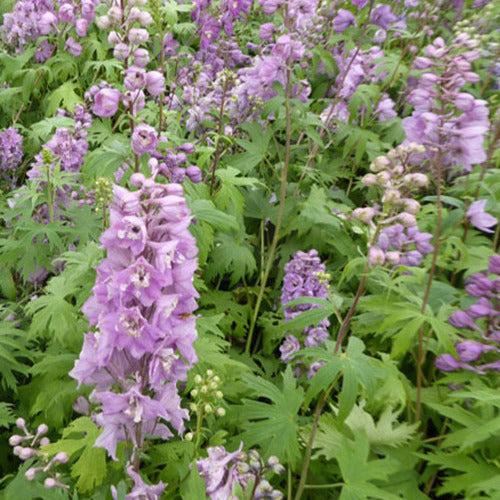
(273, 425)
(63, 97)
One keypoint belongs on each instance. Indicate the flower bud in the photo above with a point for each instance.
(194, 173)
(103, 22)
(189, 436)
(208, 408)
(61, 457)
(138, 36)
(418, 180)
(219, 395)
(391, 195)
(26, 453)
(50, 482)
(21, 423)
(30, 474)
(380, 163)
(42, 429)
(115, 13)
(44, 441)
(407, 220)
(198, 379)
(194, 393)
(114, 38)
(411, 206)
(383, 178)
(15, 440)
(376, 256)
(221, 412)
(141, 57)
(121, 51)
(145, 18)
(210, 373)
(369, 180)
(364, 214)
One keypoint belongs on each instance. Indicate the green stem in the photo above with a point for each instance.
(274, 244)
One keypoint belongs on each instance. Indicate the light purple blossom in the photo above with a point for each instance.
(479, 218)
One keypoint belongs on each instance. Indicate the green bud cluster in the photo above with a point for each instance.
(47, 157)
(207, 397)
(103, 191)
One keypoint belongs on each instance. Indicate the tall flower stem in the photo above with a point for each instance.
(421, 352)
(219, 132)
(281, 209)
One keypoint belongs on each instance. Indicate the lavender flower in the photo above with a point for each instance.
(305, 277)
(141, 307)
(11, 150)
(479, 218)
(481, 340)
(106, 102)
(144, 139)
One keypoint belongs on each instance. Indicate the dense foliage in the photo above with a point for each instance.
(249, 249)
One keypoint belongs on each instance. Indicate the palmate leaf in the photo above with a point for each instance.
(273, 425)
(357, 369)
(386, 431)
(352, 455)
(7, 417)
(231, 255)
(471, 476)
(14, 353)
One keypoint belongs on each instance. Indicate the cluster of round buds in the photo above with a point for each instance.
(103, 192)
(394, 221)
(324, 278)
(27, 446)
(254, 468)
(207, 397)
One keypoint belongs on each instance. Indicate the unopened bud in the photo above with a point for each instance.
(20, 423)
(380, 163)
(364, 214)
(30, 474)
(208, 408)
(50, 482)
(221, 412)
(42, 429)
(189, 436)
(407, 220)
(61, 457)
(15, 440)
(376, 256)
(194, 393)
(198, 379)
(369, 180)
(210, 373)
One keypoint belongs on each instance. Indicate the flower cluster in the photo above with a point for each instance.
(481, 322)
(207, 396)
(357, 68)
(450, 123)
(127, 36)
(396, 239)
(11, 151)
(305, 277)
(33, 19)
(22, 25)
(222, 471)
(141, 309)
(26, 447)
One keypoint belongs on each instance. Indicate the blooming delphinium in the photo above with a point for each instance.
(27, 447)
(305, 276)
(396, 238)
(479, 325)
(11, 153)
(224, 471)
(22, 25)
(450, 123)
(65, 151)
(141, 310)
(32, 20)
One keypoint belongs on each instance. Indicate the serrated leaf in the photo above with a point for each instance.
(273, 425)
